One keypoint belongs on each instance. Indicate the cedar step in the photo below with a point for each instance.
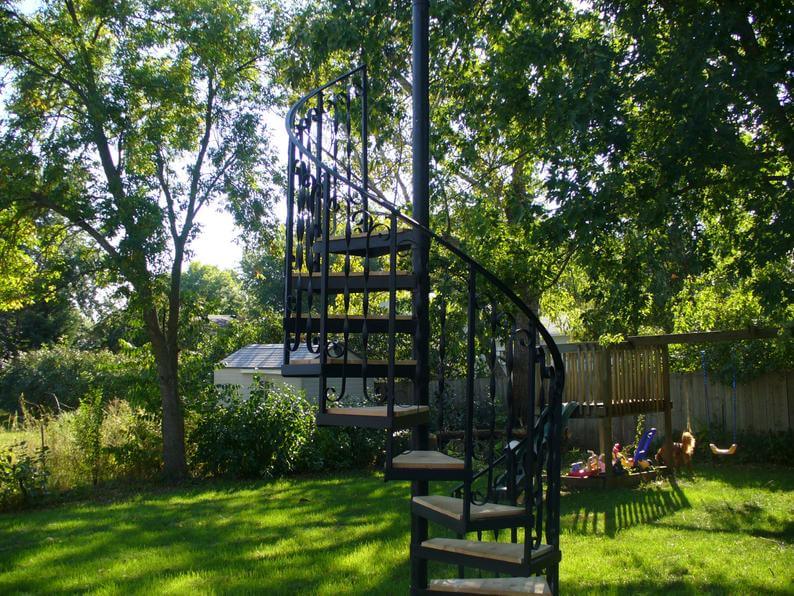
(375, 416)
(427, 460)
(378, 281)
(496, 586)
(336, 323)
(379, 243)
(425, 465)
(505, 552)
(452, 508)
(336, 368)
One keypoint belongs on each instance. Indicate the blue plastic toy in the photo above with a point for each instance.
(643, 447)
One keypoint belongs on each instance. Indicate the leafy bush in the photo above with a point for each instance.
(68, 375)
(342, 448)
(263, 435)
(23, 475)
(271, 433)
(101, 442)
(132, 441)
(87, 426)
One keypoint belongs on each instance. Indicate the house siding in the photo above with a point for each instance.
(243, 378)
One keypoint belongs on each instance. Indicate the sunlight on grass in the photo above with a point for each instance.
(729, 530)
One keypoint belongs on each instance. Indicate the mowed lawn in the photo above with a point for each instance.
(730, 530)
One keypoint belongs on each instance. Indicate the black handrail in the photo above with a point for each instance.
(559, 366)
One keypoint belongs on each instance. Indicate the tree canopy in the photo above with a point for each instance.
(127, 120)
(601, 156)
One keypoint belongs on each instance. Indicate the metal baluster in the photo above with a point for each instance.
(323, 206)
(512, 492)
(492, 394)
(311, 232)
(469, 432)
(530, 460)
(442, 362)
(288, 253)
(364, 138)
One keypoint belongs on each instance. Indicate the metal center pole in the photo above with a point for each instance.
(421, 212)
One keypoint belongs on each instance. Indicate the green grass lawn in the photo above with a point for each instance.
(12, 437)
(729, 530)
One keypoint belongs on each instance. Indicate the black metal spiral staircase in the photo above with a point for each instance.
(350, 301)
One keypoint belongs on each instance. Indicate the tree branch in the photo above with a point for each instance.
(563, 267)
(166, 188)
(42, 201)
(196, 172)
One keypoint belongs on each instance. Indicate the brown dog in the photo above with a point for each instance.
(682, 452)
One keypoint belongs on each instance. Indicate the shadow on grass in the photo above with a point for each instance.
(278, 538)
(607, 511)
(767, 478)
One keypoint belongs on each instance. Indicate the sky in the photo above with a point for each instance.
(218, 242)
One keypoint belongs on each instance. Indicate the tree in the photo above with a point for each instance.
(263, 273)
(207, 289)
(603, 139)
(127, 120)
(23, 250)
(47, 277)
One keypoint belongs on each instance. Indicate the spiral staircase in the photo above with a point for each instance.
(357, 297)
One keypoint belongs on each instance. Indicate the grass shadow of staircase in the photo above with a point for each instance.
(607, 511)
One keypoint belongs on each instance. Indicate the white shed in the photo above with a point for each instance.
(265, 360)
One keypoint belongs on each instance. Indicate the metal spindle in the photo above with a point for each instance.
(469, 433)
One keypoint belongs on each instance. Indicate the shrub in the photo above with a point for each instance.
(101, 442)
(87, 427)
(342, 448)
(23, 475)
(263, 435)
(133, 442)
(62, 376)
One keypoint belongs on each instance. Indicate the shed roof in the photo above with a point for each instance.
(266, 356)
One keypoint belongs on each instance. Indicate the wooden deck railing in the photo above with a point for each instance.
(618, 380)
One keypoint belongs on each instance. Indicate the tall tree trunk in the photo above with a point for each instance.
(173, 421)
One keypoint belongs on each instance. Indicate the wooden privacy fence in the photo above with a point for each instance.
(765, 404)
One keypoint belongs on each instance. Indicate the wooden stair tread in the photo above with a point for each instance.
(362, 317)
(427, 460)
(377, 411)
(375, 234)
(498, 551)
(492, 585)
(356, 274)
(358, 361)
(453, 508)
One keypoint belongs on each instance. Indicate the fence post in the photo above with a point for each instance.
(668, 408)
(604, 395)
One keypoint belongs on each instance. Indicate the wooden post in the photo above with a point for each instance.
(605, 397)
(668, 409)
